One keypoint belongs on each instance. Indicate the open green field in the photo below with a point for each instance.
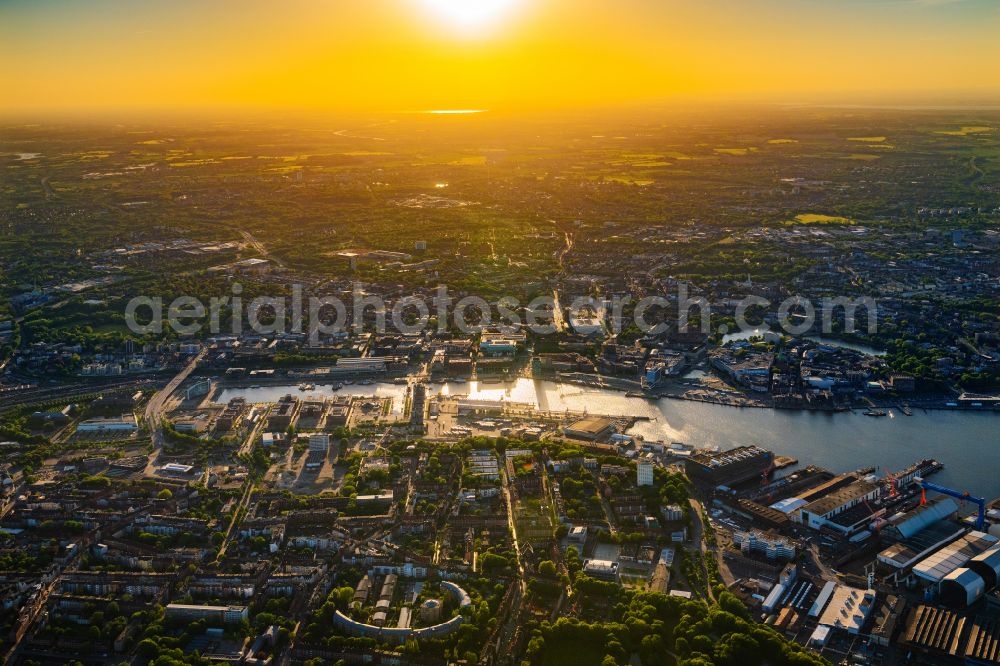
(816, 218)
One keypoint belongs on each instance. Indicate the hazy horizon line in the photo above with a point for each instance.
(919, 101)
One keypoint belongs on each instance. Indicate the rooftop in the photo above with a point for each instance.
(941, 563)
(848, 609)
(730, 457)
(606, 566)
(934, 629)
(855, 515)
(922, 517)
(593, 425)
(839, 498)
(827, 487)
(904, 553)
(199, 607)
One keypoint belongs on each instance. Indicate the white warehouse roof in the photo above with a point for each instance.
(789, 505)
(849, 609)
(822, 599)
(941, 563)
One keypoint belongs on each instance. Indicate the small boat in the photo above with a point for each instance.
(876, 412)
(307, 387)
(906, 409)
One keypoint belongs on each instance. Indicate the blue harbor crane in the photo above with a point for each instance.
(962, 496)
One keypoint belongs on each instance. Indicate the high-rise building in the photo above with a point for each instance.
(644, 474)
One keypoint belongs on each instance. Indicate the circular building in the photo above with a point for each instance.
(380, 618)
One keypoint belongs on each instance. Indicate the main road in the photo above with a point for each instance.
(248, 487)
(507, 629)
(227, 537)
(558, 321)
(158, 403)
(260, 247)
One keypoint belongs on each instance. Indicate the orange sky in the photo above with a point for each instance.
(397, 55)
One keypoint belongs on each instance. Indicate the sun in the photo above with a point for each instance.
(469, 15)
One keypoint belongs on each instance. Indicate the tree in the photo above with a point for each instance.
(165, 494)
(728, 602)
(490, 561)
(148, 648)
(547, 568)
(737, 650)
(98, 481)
(342, 597)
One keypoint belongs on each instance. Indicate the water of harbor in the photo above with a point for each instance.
(967, 443)
(274, 392)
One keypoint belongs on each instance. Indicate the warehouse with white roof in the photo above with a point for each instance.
(848, 609)
(939, 564)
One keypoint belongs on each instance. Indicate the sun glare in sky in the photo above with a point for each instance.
(469, 15)
(410, 55)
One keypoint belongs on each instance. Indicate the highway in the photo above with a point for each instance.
(247, 446)
(158, 403)
(260, 247)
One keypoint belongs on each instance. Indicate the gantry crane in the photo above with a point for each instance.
(957, 494)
